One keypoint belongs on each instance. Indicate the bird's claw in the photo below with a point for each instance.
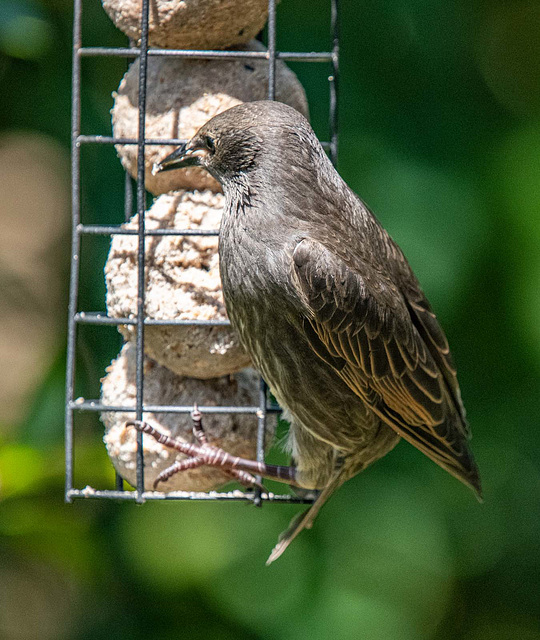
(203, 454)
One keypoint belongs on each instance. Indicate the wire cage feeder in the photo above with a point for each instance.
(79, 229)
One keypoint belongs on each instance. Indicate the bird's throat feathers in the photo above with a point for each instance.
(240, 196)
(290, 186)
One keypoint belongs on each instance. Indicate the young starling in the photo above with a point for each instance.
(328, 308)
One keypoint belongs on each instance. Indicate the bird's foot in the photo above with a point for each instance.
(203, 453)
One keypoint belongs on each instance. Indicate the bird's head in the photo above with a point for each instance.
(234, 142)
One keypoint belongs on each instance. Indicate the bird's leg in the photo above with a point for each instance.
(203, 453)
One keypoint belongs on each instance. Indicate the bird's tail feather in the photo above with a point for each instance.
(304, 520)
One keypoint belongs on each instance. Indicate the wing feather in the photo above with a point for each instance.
(388, 347)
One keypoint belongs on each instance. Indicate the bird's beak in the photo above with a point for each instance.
(187, 155)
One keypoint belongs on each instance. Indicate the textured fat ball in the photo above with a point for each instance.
(191, 24)
(184, 94)
(182, 283)
(235, 432)
(326, 305)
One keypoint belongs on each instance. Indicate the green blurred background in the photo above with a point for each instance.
(440, 134)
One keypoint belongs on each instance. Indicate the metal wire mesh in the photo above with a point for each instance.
(79, 229)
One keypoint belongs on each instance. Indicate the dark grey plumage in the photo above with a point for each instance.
(326, 305)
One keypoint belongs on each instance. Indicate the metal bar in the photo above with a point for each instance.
(118, 482)
(101, 318)
(271, 49)
(141, 207)
(75, 245)
(128, 199)
(233, 496)
(133, 52)
(261, 433)
(128, 187)
(334, 80)
(128, 212)
(261, 414)
(96, 405)
(99, 139)
(106, 230)
(303, 56)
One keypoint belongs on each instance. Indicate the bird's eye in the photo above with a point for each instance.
(209, 142)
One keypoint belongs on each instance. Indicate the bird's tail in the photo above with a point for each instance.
(304, 520)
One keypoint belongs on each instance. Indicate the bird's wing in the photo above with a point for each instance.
(433, 336)
(389, 350)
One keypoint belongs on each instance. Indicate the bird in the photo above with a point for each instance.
(328, 308)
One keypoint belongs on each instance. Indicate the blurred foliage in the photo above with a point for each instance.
(440, 134)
